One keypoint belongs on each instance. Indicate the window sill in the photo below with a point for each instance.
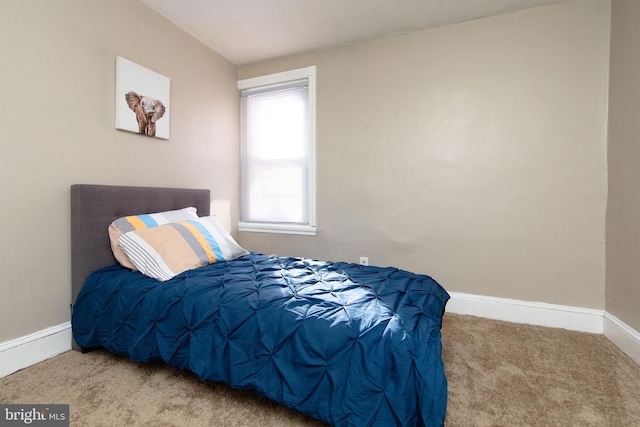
(255, 227)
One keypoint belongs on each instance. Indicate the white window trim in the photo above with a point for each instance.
(263, 227)
(275, 80)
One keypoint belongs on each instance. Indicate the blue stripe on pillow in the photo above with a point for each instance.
(215, 247)
(148, 220)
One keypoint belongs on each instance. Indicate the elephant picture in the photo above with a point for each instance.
(142, 100)
(148, 112)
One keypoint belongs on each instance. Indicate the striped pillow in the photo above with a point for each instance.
(138, 222)
(167, 250)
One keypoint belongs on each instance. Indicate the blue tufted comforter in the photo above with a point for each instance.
(348, 344)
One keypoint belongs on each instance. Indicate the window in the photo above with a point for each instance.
(278, 153)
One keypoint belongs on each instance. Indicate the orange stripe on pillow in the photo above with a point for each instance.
(203, 242)
(136, 222)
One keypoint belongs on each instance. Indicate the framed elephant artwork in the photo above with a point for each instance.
(142, 100)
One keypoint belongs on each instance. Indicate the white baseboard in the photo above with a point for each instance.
(532, 313)
(622, 335)
(34, 348)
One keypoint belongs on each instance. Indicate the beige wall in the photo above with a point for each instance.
(57, 128)
(623, 210)
(475, 153)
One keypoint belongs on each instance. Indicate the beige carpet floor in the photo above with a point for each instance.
(500, 374)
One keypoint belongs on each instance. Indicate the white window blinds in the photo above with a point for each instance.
(278, 155)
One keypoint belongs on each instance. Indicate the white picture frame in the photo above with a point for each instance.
(142, 100)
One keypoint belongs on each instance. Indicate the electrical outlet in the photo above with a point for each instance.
(364, 260)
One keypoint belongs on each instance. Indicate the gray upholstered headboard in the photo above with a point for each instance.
(94, 207)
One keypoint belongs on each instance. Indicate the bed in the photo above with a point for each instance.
(348, 344)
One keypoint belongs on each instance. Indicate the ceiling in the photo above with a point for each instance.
(246, 31)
